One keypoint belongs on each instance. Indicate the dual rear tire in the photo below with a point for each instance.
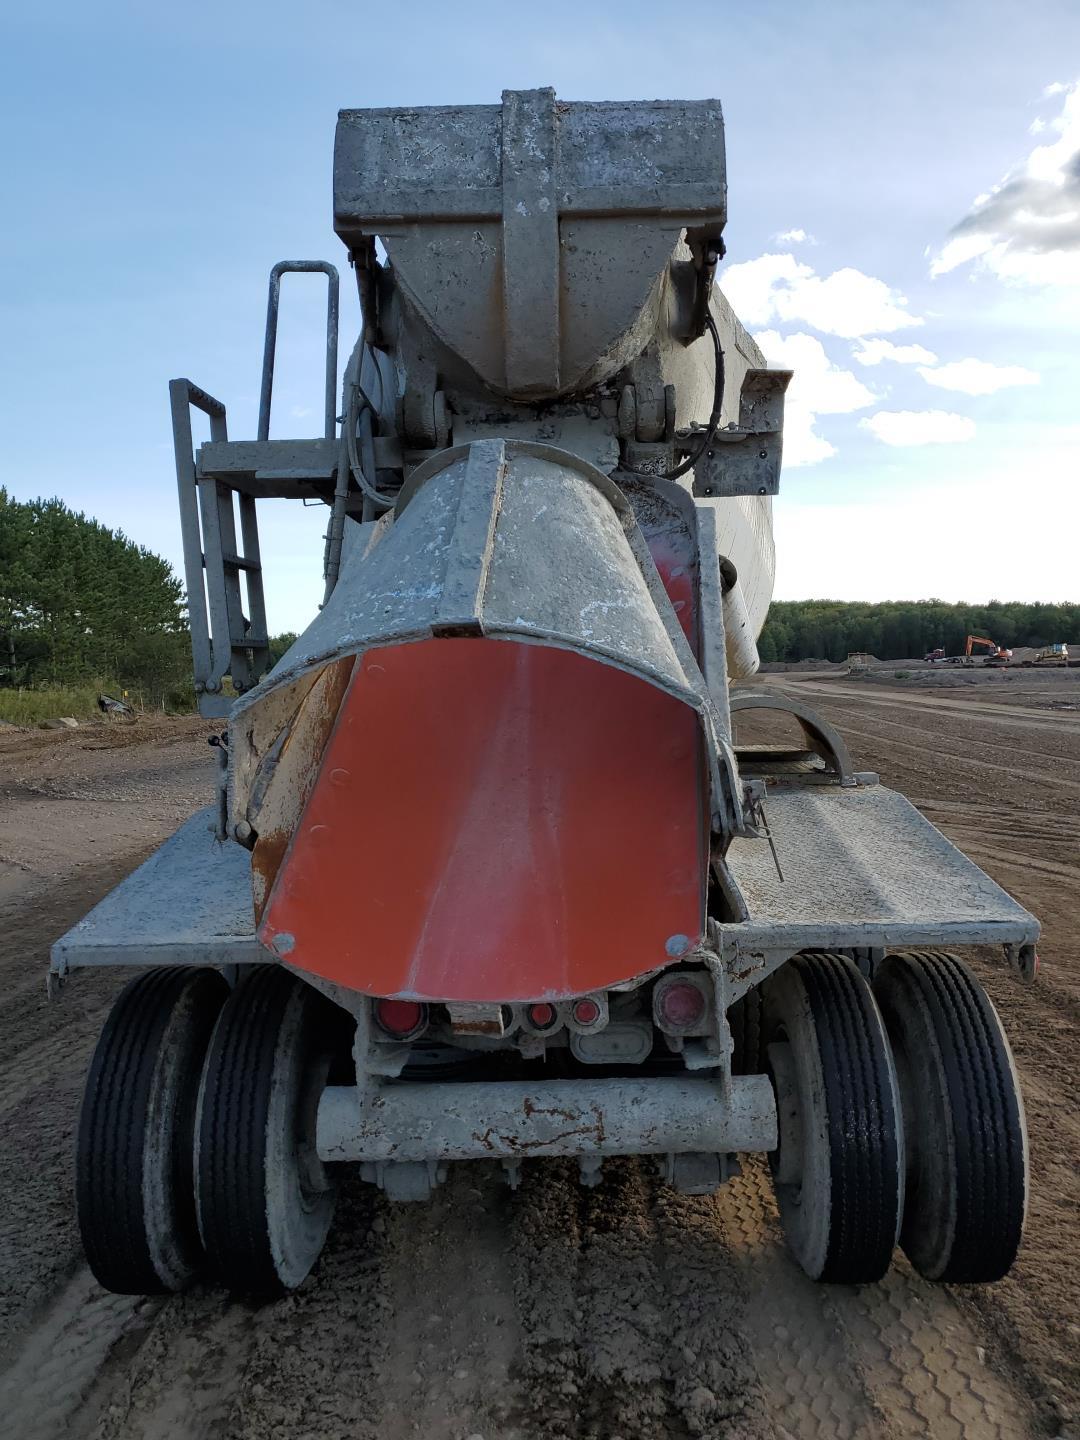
(900, 1118)
(196, 1146)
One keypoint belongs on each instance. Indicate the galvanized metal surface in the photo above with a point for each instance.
(223, 639)
(744, 458)
(863, 867)
(513, 1119)
(266, 388)
(188, 904)
(531, 238)
(824, 739)
(579, 578)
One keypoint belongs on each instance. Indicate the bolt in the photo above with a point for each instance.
(242, 831)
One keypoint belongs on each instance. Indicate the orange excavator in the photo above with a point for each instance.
(996, 654)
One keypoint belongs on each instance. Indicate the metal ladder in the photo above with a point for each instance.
(225, 641)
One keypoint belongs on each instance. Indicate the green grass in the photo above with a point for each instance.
(31, 705)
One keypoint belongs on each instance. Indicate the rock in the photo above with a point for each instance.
(62, 722)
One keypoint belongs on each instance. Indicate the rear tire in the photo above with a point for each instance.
(745, 1017)
(134, 1186)
(967, 1158)
(265, 1200)
(838, 1170)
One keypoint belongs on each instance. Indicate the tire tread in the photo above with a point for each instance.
(987, 1116)
(109, 1151)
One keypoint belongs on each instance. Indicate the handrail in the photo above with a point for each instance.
(290, 267)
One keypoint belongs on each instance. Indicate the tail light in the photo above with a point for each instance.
(401, 1019)
(588, 1013)
(681, 1004)
(541, 1017)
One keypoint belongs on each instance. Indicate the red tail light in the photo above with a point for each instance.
(586, 1011)
(401, 1019)
(542, 1016)
(680, 1005)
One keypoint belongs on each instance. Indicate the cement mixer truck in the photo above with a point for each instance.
(487, 878)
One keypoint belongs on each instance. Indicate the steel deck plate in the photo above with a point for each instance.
(190, 903)
(862, 866)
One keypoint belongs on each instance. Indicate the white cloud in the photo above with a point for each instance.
(846, 303)
(919, 427)
(794, 237)
(818, 388)
(930, 498)
(977, 377)
(872, 352)
(1026, 230)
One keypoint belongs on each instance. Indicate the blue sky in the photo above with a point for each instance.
(159, 160)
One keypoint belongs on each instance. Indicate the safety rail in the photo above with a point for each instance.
(223, 640)
(300, 267)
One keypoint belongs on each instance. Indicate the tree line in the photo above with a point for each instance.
(906, 629)
(79, 601)
(82, 603)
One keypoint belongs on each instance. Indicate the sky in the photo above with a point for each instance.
(904, 232)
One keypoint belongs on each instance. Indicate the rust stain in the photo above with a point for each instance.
(498, 1143)
(531, 1108)
(288, 790)
(266, 860)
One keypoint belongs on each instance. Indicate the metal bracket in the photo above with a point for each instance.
(745, 459)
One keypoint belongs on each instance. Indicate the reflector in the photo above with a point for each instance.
(400, 1018)
(681, 1004)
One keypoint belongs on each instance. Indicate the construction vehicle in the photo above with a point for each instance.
(932, 656)
(1050, 655)
(995, 654)
(487, 878)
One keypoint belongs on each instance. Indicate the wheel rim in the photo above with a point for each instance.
(300, 1191)
(837, 1169)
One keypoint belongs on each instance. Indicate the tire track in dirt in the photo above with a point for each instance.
(452, 1339)
(183, 1376)
(312, 1370)
(47, 1391)
(630, 1311)
(712, 1368)
(813, 1386)
(966, 762)
(545, 1252)
(213, 1367)
(986, 710)
(941, 746)
(898, 1358)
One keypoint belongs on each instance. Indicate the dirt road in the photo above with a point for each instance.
(623, 1311)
